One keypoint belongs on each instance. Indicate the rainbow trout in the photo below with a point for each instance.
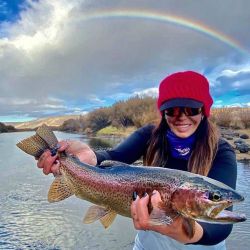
(110, 187)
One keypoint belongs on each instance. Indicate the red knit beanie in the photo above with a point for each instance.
(189, 85)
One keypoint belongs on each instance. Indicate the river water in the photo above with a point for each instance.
(28, 221)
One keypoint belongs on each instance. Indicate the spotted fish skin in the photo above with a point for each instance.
(111, 185)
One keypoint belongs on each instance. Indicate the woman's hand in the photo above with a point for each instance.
(141, 219)
(50, 164)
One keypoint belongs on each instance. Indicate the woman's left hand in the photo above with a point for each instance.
(141, 220)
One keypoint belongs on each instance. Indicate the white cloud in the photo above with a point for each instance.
(152, 92)
(236, 84)
(228, 78)
(235, 105)
(96, 100)
(233, 73)
(39, 25)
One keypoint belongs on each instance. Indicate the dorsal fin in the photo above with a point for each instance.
(109, 163)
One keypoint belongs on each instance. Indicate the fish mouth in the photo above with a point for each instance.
(218, 213)
(230, 217)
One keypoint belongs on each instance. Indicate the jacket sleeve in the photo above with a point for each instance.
(224, 169)
(129, 150)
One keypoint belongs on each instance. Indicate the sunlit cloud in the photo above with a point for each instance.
(152, 92)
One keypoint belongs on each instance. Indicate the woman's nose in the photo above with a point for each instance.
(181, 114)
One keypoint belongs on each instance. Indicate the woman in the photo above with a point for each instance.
(185, 139)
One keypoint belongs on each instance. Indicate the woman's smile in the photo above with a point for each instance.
(182, 125)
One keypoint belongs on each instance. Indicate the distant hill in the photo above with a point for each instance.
(54, 121)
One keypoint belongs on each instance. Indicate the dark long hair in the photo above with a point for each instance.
(205, 148)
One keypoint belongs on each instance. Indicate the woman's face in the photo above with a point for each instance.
(183, 126)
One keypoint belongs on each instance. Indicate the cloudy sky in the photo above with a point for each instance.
(71, 56)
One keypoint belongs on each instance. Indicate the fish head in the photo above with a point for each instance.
(204, 199)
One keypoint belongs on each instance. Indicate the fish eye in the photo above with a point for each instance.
(214, 196)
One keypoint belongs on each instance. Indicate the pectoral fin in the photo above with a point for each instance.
(188, 226)
(94, 213)
(158, 217)
(59, 190)
(161, 214)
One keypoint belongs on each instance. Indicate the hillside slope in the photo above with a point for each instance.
(50, 121)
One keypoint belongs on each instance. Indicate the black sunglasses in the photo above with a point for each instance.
(176, 111)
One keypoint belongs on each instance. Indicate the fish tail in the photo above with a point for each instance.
(36, 144)
(47, 135)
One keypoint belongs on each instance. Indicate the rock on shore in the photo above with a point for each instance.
(239, 140)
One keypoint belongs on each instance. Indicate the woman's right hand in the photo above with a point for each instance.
(141, 219)
(50, 164)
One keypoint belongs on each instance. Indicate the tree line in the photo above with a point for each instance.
(138, 111)
(135, 112)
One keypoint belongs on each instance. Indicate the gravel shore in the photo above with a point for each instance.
(234, 137)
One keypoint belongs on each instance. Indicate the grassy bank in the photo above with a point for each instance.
(113, 131)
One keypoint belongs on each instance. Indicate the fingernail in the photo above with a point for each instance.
(53, 152)
(154, 192)
(134, 196)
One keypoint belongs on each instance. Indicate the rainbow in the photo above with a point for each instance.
(163, 17)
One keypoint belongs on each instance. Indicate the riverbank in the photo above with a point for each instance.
(239, 139)
(232, 136)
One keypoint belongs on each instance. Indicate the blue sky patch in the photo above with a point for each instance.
(10, 9)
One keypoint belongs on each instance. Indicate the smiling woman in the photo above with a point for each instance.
(182, 105)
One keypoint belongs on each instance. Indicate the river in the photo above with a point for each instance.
(28, 221)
